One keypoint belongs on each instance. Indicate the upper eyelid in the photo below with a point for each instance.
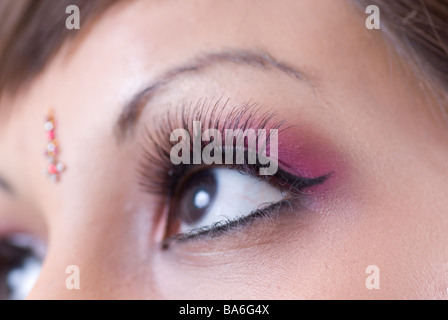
(156, 173)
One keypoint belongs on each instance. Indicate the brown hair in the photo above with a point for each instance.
(32, 32)
(418, 30)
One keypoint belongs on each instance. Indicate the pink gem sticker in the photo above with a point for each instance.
(55, 168)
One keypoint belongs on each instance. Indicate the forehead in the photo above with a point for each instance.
(137, 41)
(164, 32)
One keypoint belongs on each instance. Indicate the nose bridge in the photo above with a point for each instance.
(80, 265)
(96, 261)
(97, 247)
(69, 270)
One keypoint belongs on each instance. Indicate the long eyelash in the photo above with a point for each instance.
(158, 175)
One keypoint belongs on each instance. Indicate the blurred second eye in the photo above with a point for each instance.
(21, 257)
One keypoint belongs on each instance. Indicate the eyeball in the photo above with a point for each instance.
(217, 195)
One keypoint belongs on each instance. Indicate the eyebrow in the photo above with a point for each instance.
(260, 60)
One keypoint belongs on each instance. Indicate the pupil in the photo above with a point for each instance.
(197, 196)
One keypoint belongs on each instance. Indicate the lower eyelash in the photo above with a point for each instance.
(267, 213)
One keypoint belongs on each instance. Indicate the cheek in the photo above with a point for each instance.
(221, 274)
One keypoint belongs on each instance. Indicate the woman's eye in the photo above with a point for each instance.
(215, 196)
(20, 263)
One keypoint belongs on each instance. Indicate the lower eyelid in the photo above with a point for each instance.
(265, 232)
(268, 215)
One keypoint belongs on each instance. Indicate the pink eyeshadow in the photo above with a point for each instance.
(303, 154)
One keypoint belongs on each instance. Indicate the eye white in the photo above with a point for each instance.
(237, 195)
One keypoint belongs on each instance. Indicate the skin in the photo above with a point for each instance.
(359, 108)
